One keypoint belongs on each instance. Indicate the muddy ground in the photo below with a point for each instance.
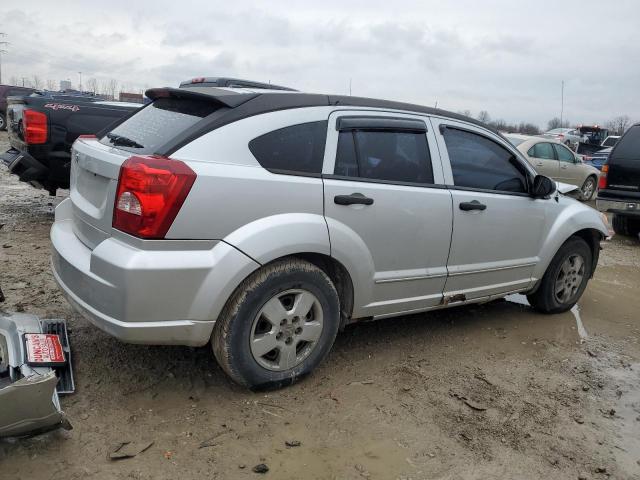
(491, 391)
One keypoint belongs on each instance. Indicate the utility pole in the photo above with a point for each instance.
(80, 87)
(2, 50)
(349, 86)
(562, 104)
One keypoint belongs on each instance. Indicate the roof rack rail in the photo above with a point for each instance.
(231, 82)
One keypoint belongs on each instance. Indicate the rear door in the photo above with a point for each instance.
(544, 160)
(497, 226)
(385, 203)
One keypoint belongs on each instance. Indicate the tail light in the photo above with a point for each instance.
(35, 127)
(602, 182)
(150, 192)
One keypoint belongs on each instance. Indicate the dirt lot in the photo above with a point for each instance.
(491, 391)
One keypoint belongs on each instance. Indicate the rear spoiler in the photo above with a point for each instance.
(211, 94)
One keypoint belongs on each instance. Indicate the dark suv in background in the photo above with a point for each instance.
(10, 91)
(619, 192)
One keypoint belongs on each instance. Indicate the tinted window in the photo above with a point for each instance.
(515, 141)
(478, 162)
(542, 150)
(629, 145)
(158, 123)
(299, 148)
(384, 155)
(564, 154)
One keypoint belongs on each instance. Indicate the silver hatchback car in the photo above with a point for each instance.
(262, 222)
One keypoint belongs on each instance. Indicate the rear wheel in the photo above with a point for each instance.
(627, 226)
(565, 279)
(3, 122)
(588, 189)
(278, 325)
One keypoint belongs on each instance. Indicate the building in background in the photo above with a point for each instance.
(131, 97)
(65, 84)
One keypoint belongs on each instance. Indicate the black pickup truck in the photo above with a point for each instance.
(619, 189)
(42, 128)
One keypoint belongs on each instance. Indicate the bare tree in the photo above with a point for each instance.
(51, 84)
(92, 85)
(111, 87)
(36, 81)
(556, 123)
(619, 124)
(483, 116)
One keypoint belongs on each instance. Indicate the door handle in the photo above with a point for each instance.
(474, 205)
(353, 199)
(539, 164)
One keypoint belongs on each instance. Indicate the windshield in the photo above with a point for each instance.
(558, 130)
(159, 122)
(610, 141)
(515, 141)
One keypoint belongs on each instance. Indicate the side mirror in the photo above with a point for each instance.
(542, 187)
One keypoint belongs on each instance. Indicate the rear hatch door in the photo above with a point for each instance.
(95, 164)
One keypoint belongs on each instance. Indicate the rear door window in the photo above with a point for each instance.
(480, 163)
(542, 150)
(158, 123)
(298, 149)
(384, 155)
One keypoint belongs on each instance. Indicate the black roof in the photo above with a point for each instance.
(241, 105)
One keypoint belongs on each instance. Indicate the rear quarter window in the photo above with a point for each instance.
(295, 149)
(159, 122)
(628, 147)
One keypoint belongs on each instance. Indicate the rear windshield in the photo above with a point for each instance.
(610, 141)
(156, 124)
(515, 141)
(628, 147)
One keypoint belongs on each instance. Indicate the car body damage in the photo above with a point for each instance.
(29, 402)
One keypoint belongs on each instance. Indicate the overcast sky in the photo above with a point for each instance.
(506, 57)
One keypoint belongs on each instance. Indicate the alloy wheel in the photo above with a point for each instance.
(286, 329)
(569, 278)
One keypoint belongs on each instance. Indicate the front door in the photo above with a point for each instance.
(544, 160)
(497, 226)
(570, 171)
(388, 214)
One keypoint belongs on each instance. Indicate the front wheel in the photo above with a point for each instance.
(626, 226)
(588, 189)
(565, 279)
(3, 122)
(278, 325)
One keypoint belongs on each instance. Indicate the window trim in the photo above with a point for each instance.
(527, 173)
(375, 123)
(331, 176)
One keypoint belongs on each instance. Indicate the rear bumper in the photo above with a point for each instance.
(159, 297)
(629, 208)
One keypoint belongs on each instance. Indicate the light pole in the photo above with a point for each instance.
(562, 104)
(2, 44)
(80, 88)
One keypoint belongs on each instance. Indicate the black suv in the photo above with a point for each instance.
(620, 184)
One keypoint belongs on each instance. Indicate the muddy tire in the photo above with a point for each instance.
(565, 279)
(626, 226)
(278, 325)
(588, 189)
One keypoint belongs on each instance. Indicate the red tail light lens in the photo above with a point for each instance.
(151, 190)
(35, 127)
(602, 182)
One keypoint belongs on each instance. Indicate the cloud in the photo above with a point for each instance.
(495, 55)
